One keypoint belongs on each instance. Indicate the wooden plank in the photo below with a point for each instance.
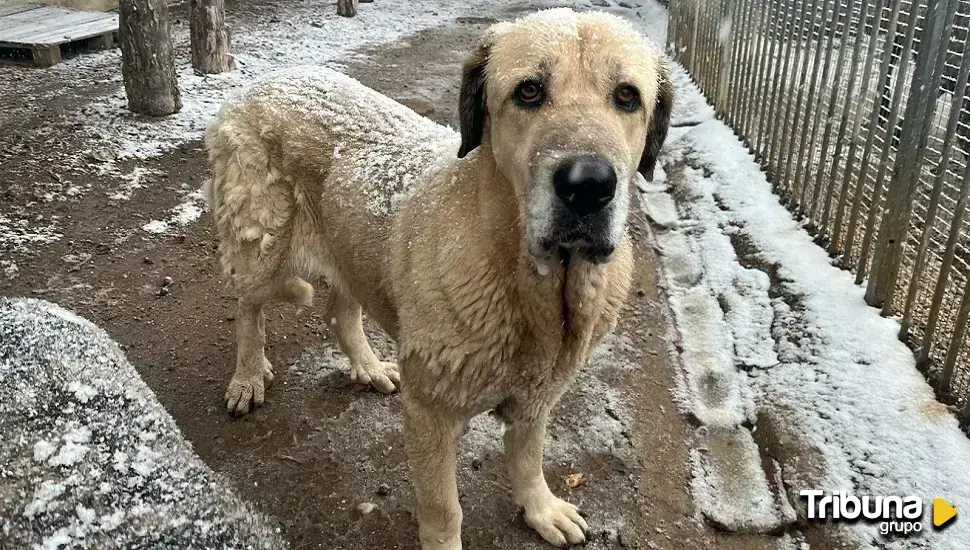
(40, 14)
(10, 9)
(80, 32)
(33, 25)
(78, 26)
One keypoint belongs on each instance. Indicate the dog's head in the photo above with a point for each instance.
(570, 106)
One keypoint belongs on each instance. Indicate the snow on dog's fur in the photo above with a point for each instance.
(496, 259)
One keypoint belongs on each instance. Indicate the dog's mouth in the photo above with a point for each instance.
(597, 254)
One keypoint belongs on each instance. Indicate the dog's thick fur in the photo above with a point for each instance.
(464, 259)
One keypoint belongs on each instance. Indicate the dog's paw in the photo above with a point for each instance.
(557, 521)
(247, 391)
(383, 377)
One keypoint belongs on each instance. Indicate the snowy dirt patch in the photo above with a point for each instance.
(589, 437)
(774, 335)
(90, 459)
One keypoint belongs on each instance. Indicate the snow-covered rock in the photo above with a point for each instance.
(88, 456)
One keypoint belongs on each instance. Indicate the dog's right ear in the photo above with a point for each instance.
(471, 101)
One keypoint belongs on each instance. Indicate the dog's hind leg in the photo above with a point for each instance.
(253, 371)
(345, 318)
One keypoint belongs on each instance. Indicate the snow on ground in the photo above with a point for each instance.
(88, 456)
(770, 329)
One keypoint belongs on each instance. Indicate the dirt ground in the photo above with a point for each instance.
(322, 445)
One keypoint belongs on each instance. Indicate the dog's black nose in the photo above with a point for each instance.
(585, 184)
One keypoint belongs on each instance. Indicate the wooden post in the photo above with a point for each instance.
(46, 56)
(210, 37)
(347, 8)
(147, 61)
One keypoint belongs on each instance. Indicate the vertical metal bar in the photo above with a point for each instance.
(870, 141)
(743, 96)
(895, 225)
(699, 46)
(953, 238)
(791, 152)
(791, 112)
(770, 146)
(781, 139)
(905, 146)
(774, 62)
(803, 170)
(765, 61)
(737, 63)
(751, 98)
(808, 114)
(736, 43)
(694, 31)
(714, 18)
(846, 112)
(830, 123)
(963, 77)
(725, 32)
(956, 343)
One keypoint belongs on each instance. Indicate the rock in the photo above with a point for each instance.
(89, 441)
(366, 508)
(383, 490)
(600, 3)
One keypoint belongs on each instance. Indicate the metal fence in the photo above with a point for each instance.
(859, 113)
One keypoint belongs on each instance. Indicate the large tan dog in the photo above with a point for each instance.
(495, 261)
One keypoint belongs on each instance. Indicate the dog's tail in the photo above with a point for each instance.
(251, 202)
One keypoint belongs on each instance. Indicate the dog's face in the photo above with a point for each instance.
(571, 106)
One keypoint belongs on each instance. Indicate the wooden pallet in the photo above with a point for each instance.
(44, 29)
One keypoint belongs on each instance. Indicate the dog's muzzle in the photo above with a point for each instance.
(585, 186)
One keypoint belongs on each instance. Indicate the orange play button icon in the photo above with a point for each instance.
(943, 512)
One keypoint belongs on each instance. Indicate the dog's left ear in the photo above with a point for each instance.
(659, 123)
(471, 101)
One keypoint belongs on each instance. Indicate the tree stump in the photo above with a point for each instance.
(347, 8)
(210, 37)
(147, 61)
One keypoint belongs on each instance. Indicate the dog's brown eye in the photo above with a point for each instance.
(529, 94)
(627, 98)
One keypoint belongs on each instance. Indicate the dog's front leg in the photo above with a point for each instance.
(432, 441)
(556, 520)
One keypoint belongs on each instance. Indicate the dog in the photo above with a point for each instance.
(496, 257)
